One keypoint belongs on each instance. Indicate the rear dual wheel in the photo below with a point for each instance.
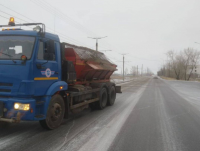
(55, 113)
(101, 104)
(112, 96)
(103, 99)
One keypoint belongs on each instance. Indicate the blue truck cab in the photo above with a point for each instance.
(30, 73)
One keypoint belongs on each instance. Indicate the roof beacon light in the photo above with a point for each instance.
(11, 21)
(37, 28)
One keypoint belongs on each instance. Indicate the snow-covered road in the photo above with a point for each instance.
(150, 115)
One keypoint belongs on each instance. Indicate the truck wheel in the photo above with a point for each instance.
(103, 99)
(112, 96)
(55, 113)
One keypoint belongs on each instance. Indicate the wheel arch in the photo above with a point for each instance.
(53, 90)
(55, 87)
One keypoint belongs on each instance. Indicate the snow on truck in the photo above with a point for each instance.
(44, 80)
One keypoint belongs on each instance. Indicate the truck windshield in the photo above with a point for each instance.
(13, 47)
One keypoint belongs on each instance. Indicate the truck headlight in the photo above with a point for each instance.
(20, 106)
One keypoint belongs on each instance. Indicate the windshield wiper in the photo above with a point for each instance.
(9, 56)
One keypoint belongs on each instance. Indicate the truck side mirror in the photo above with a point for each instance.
(50, 47)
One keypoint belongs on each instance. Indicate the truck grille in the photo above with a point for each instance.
(6, 84)
(2, 96)
(5, 90)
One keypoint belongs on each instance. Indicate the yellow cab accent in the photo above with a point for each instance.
(46, 78)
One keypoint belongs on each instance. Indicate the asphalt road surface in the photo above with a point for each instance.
(150, 115)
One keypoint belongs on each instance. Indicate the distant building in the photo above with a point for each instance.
(195, 72)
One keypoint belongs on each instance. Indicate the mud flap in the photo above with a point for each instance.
(118, 89)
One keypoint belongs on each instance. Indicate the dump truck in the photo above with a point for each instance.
(42, 79)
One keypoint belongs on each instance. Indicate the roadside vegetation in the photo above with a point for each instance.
(181, 65)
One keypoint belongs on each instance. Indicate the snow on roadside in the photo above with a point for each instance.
(121, 80)
(187, 89)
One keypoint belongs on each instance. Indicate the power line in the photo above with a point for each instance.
(142, 58)
(48, 28)
(4, 17)
(86, 29)
(59, 14)
(16, 21)
(48, 7)
(131, 55)
(97, 38)
(11, 15)
(16, 12)
(126, 62)
(61, 35)
(24, 21)
(64, 36)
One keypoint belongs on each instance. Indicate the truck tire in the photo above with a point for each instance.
(103, 99)
(112, 96)
(55, 113)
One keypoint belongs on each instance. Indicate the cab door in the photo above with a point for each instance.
(45, 66)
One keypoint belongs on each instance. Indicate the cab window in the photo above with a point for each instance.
(42, 51)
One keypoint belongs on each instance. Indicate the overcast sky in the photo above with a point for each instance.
(144, 29)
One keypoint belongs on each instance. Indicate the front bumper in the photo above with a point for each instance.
(9, 114)
(16, 119)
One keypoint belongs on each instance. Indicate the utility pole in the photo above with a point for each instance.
(97, 38)
(137, 70)
(123, 64)
(142, 70)
(123, 67)
(169, 69)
